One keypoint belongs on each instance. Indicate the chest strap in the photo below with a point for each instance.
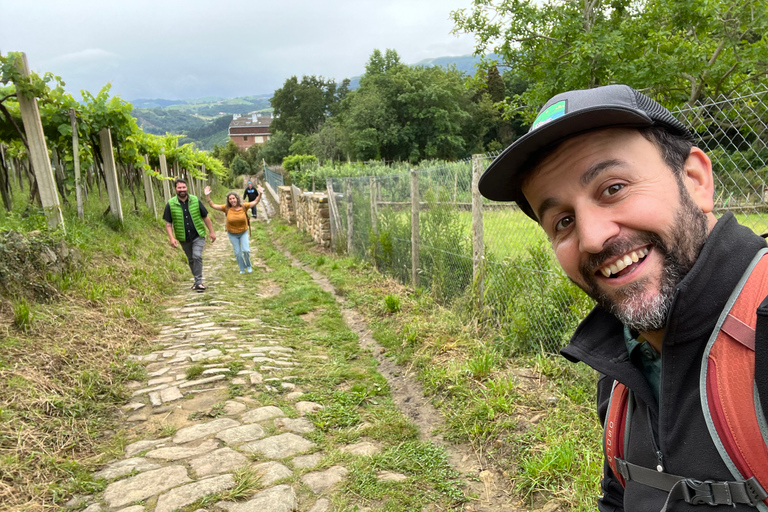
(695, 492)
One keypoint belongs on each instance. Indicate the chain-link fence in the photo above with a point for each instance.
(274, 179)
(516, 284)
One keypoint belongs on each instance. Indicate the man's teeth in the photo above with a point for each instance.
(624, 262)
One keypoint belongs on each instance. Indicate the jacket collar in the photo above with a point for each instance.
(699, 299)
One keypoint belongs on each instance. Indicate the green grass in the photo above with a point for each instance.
(70, 325)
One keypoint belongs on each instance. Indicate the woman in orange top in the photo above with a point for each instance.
(237, 226)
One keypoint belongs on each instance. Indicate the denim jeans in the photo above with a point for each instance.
(241, 249)
(253, 211)
(194, 252)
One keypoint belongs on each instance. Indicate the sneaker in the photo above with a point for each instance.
(242, 272)
(250, 269)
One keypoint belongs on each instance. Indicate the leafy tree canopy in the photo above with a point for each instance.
(678, 51)
(301, 107)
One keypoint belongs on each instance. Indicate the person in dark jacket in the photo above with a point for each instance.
(253, 196)
(626, 201)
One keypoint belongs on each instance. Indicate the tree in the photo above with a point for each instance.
(302, 107)
(240, 166)
(276, 148)
(678, 51)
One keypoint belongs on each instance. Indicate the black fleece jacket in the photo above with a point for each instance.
(672, 433)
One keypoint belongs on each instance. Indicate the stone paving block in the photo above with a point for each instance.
(307, 461)
(280, 498)
(159, 380)
(321, 505)
(141, 487)
(178, 453)
(218, 461)
(256, 378)
(199, 382)
(388, 476)
(280, 446)
(148, 390)
(305, 408)
(319, 481)
(293, 395)
(232, 408)
(170, 394)
(161, 371)
(125, 466)
(96, 507)
(188, 434)
(134, 508)
(133, 406)
(271, 472)
(363, 448)
(182, 496)
(240, 435)
(154, 398)
(298, 425)
(262, 414)
(139, 446)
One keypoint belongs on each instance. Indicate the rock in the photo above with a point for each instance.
(199, 382)
(188, 434)
(280, 498)
(181, 496)
(298, 425)
(262, 414)
(321, 505)
(154, 399)
(293, 395)
(218, 461)
(125, 466)
(553, 506)
(178, 453)
(320, 481)
(134, 508)
(271, 472)
(232, 408)
(170, 394)
(240, 435)
(139, 446)
(388, 476)
(256, 378)
(362, 448)
(281, 446)
(96, 507)
(305, 408)
(141, 487)
(307, 461)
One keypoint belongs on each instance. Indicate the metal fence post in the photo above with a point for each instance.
(478, 248)
(374, 223)
(415, 229)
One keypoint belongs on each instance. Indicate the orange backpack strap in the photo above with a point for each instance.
(615, 424)
(728, 395)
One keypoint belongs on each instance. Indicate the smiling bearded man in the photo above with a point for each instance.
(626, 200)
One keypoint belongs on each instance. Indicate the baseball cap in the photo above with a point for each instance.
(566, 115)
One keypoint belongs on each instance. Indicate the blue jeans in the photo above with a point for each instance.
(253, 211)
(241, 249)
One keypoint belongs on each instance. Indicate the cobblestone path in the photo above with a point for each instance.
(196, 442)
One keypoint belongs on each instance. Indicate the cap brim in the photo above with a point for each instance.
(500, 181)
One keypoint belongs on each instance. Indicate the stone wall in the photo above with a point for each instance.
(311, 213)
(287, 211)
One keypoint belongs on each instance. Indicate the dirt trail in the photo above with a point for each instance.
(492, 489)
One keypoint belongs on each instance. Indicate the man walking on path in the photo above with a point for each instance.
(626, 201)
(185, 217)
(252, 194)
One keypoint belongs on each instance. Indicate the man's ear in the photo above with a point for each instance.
(699, 180)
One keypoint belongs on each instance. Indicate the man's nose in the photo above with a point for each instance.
(595, 228)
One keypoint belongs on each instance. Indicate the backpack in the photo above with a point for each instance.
(730, 403)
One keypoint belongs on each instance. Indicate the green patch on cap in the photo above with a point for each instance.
(552, 112)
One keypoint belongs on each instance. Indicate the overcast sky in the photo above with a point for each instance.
(177, 49)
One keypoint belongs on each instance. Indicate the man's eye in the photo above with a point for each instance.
(613, 189)
(563, 223)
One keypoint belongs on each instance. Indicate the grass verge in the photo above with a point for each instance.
(72, 307)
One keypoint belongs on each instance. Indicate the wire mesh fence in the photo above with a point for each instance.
(515, 284)
(273, 178)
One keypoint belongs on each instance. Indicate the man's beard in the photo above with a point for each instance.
(182, 195)
(679, 251)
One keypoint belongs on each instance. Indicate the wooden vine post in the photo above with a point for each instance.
(110, 174)
(149, 190)
(415, 238)
(76, 159)
(348, 200)
(478, 247)
(38, 153)
(166, 181)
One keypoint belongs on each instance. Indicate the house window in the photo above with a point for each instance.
(245, 138)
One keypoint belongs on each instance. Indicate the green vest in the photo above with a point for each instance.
(177, 216)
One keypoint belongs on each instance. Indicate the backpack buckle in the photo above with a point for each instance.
(697, 492)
